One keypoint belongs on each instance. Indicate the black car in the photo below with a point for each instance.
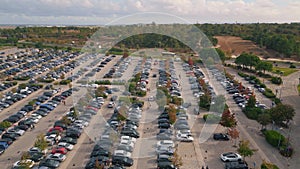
(12, 119)
(50, 163)
(164, 125)
(69, 140)
(36, 156)
(131, 133)
(221, 136)
(12, 136)
(165, 165)
(22, 127)
(92, 162)
(100, 152)
(125, 161)
(236, 165)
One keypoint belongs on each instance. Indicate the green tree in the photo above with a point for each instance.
(41, 142)
(251, 102)
(204, 101)
(264, 66)
(5, 124)
(282, 113)
(244, 149)
(264, 119)
(221, 55)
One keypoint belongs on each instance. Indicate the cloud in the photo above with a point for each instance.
(101, 11)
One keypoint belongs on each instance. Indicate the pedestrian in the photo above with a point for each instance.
(33, 126)
(202, 167)
(207, 167)
(64, 102)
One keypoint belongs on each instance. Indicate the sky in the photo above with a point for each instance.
(105, 12)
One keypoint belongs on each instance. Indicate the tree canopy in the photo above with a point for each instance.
(282, 114)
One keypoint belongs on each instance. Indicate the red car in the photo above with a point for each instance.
(61, 150)
(57, 128)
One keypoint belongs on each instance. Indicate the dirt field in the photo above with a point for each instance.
(235, 46)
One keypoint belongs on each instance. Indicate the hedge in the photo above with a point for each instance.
(268, 93)
(274, 138)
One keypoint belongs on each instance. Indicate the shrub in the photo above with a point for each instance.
(5, 124)
(286, 151)
(64, 82)
(276, 80)
(292, 66)
(103, 82)
(252, 113)
(267, 165)
(274, 138)
(268, 93)
(242, 74)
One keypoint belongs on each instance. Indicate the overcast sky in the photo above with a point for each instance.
(101, 12)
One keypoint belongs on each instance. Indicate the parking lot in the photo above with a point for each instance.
(99, 126)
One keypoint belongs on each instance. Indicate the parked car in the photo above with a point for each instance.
(57, 157)
(230, 156)
(125, 161)
(236, 165)
(221, 136)
(21, 163)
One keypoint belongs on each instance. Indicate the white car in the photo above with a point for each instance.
(122, 153)
(16, 131)
(128, 138)
(57, 157)
(36, 116)
(81, 122)
(21, 163)
(68, 146)
(111, 105)
(52, 138)
(166, 143)
(230, 156)
(127, 142)
(184, 138)
(35, 120)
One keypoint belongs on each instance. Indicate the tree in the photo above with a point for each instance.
(204, 101)
(264, 119)
(282, 113)
(247, 59)
(228, 119)
(177, 160)
(221, 55)
(244, 149)
(41, 142)
(251, 102)
(264, 66)
(234, 134)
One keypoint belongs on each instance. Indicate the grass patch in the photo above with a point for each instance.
(286, 71)
(298, 88)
